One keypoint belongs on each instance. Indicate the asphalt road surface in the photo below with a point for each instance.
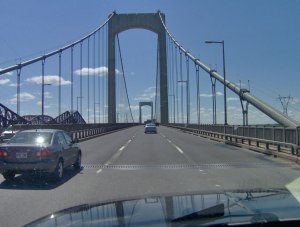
(130, 164)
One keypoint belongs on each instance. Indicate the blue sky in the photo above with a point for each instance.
(261, 41)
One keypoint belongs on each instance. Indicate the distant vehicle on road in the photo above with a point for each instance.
(150, 128)
(41, 150)
(7, 134)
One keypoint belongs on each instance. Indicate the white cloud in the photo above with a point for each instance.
(47, 95)
(45, 106)
(150, 89)
(218, 93)
(145, 97)
(232, 99)
(24, 97)
(49, 79)
(14, 85)
(100, 71)
(4, 81)
(134, 107)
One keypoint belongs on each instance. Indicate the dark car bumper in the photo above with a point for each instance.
(17, 167)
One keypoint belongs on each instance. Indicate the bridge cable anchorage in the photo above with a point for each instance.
(47, 55)
(124, 79)
(267, 109)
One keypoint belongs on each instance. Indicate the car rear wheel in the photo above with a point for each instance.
(59, 171)
(77, 164)
(9, 176)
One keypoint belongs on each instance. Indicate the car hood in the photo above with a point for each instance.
(234, 207)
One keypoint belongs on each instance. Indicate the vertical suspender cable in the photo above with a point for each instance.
(173, 86)
(94, 78)
(80, 82)
(106, 78)
(88, 79)
(197, 92)
(59, 84)
(181, 87)
(187, 90)
(72, 77)
(156, 86)
(103, 76)
(98, 74)
(18, 90)
(176, 82)
(169, 79)
(43, 87)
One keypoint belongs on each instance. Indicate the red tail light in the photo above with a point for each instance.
(44, 153)
(3, 154)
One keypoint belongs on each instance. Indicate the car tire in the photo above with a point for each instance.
(77, 164)
(59, 171)
(9, 176)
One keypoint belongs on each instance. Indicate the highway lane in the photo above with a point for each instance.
(129, 163)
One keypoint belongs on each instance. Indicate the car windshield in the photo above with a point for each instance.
(31, 138)
(174, 109)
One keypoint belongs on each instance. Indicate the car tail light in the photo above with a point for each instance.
(3, 154)
(44, 153)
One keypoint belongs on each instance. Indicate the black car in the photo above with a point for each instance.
(42, 150)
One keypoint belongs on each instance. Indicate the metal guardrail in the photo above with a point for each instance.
(278, 146)
(80, 131)
(94, 132)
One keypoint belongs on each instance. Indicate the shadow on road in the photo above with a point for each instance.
(38, 181)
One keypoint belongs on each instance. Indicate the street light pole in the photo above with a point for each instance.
(224, 75)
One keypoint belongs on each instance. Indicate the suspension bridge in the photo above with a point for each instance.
(111, 140)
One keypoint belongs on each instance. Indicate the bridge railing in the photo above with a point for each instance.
(268, 137)
(80, 131)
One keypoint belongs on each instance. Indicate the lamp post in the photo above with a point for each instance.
(224, 75)
(187, 100)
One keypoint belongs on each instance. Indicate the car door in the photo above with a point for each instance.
(73, 149)
(65, 148)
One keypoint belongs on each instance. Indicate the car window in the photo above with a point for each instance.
(32, 138)
(68, 138)
(60, 138)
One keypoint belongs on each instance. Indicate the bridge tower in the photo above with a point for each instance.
(149, 21)
(140, 110)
